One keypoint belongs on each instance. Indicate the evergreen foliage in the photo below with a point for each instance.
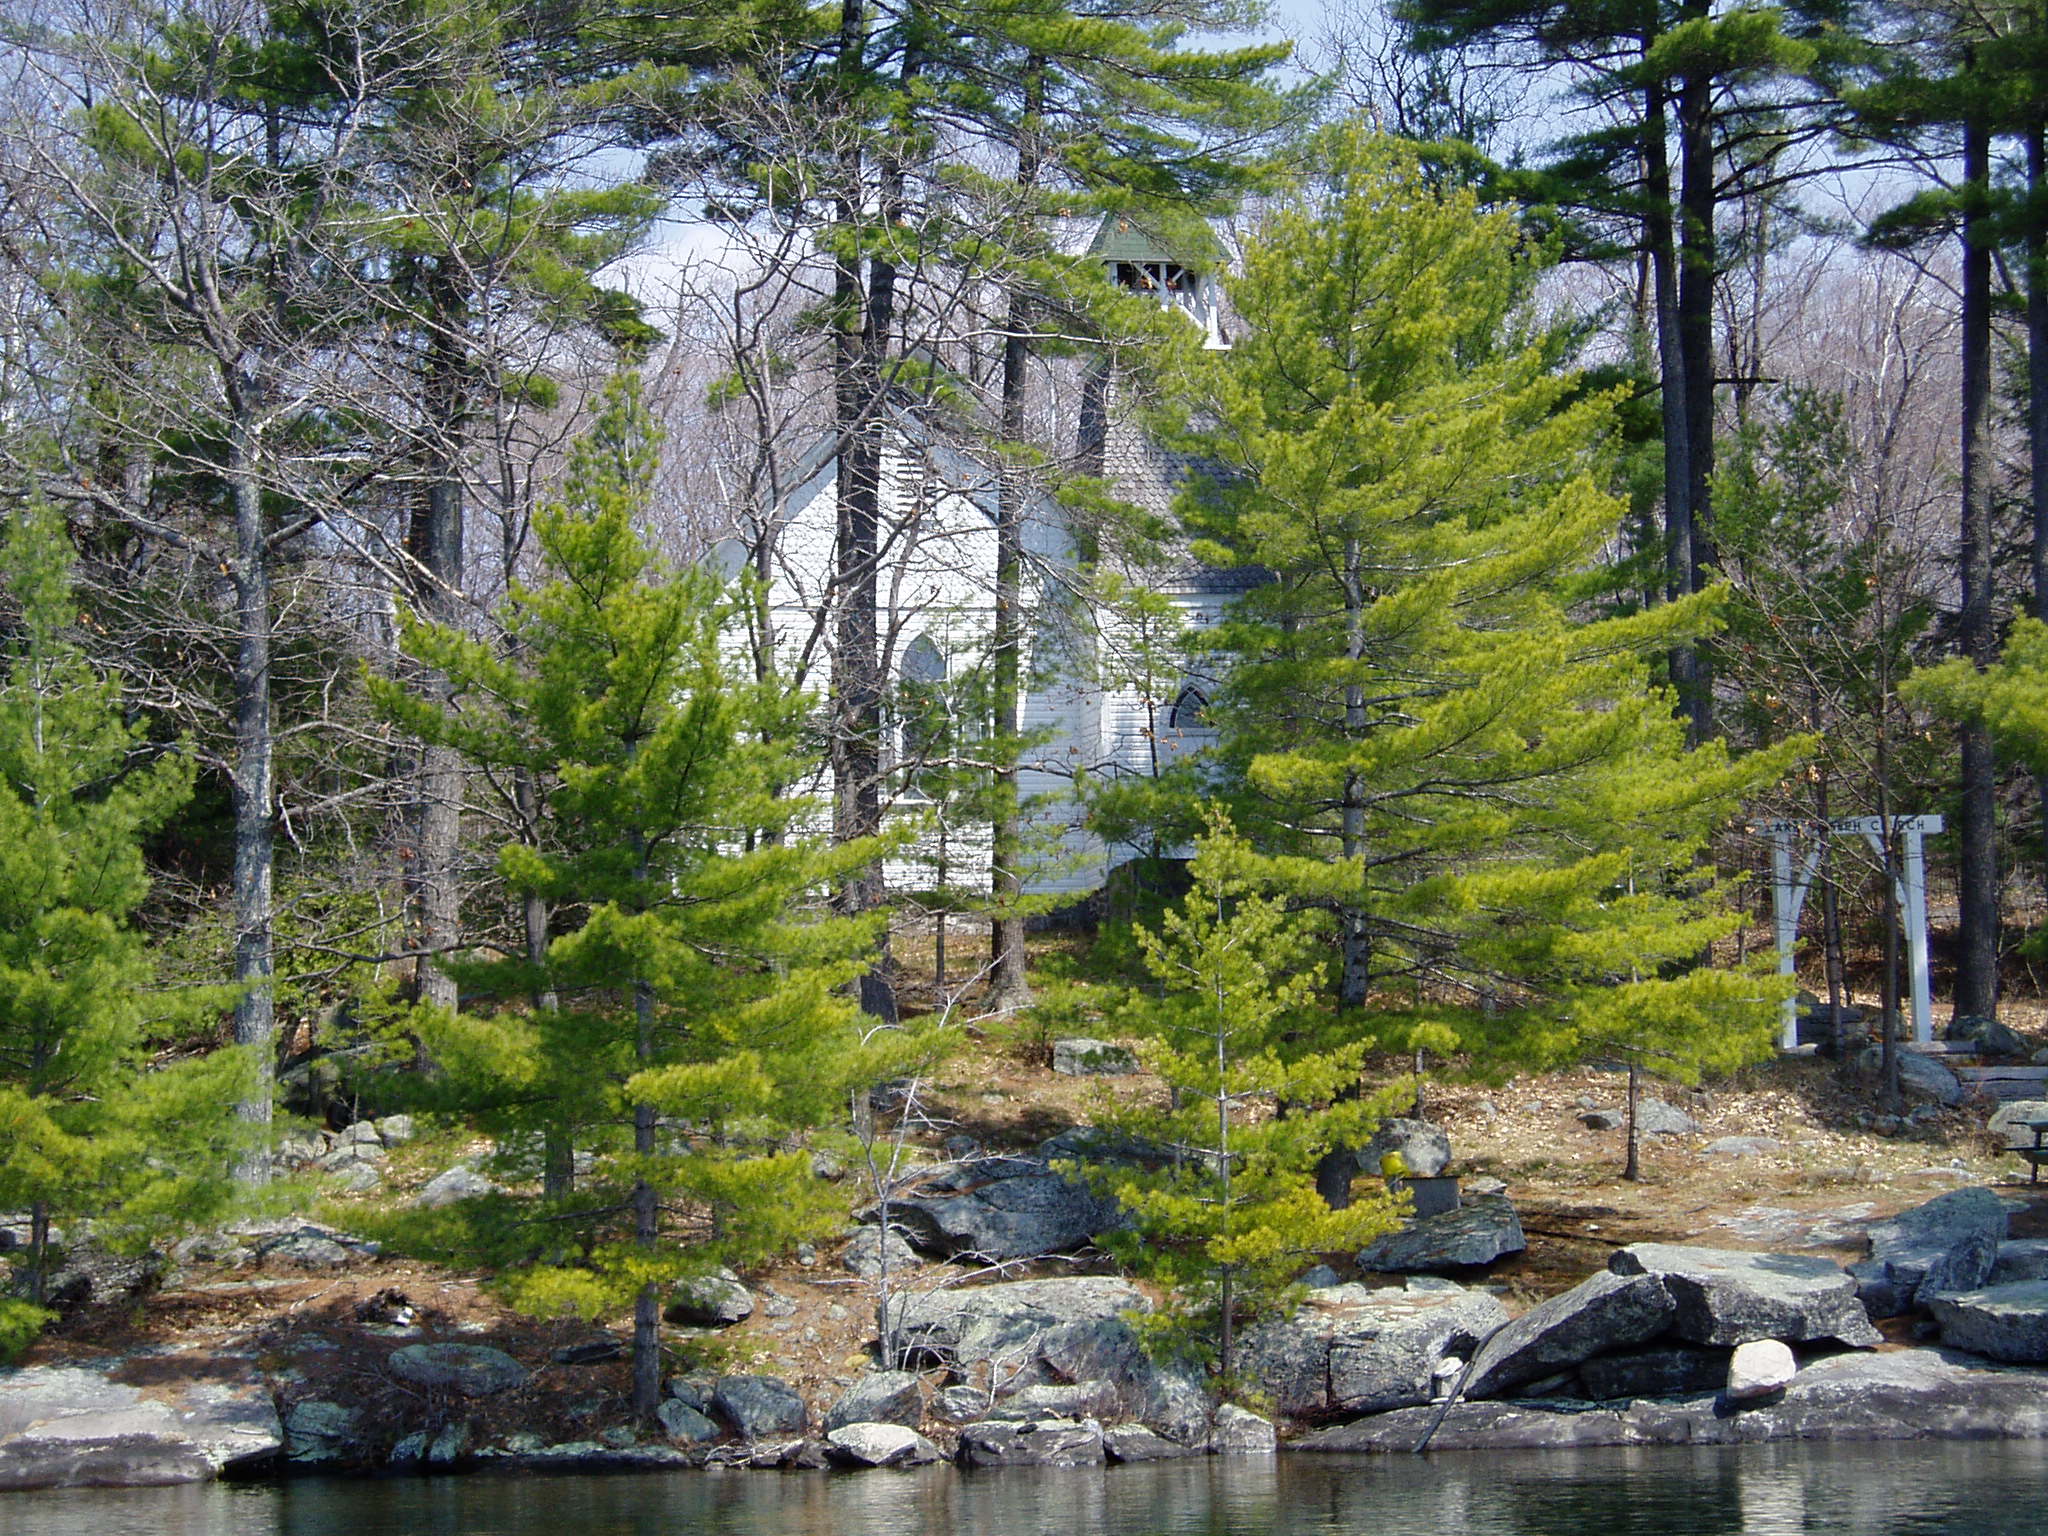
(1421, 733)
(2010, 696)
(687, 1011)
(91, 1135)
(1229, 1213)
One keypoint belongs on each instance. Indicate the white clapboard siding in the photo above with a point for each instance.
(936, 581)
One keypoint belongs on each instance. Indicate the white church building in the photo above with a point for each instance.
(1102, 698)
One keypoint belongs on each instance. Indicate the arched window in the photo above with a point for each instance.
(923, 661)
(924, 713)
(1190, 711)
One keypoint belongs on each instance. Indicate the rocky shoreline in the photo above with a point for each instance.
(1669, 1345)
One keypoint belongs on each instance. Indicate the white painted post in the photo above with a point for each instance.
(1785, 921)
(1914, 902)
(1911, 889)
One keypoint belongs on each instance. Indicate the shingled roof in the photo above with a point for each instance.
(1151, 476)
(1122, 238)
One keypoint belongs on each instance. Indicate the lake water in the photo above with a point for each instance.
(1957, 1489)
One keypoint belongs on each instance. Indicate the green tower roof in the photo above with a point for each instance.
(1123, 238)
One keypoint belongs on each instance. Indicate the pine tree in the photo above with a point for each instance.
(688, 1000)
(1230, 1212)
(1693, 107)
(88, 1132)
(1420, 732)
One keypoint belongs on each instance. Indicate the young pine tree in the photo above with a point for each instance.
(89, 1133)
(1232, 1214)
(1422, 732)
(683, 1008)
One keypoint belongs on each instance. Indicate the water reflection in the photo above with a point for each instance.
(1864, 1490)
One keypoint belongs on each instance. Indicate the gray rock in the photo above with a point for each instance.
(589, 1352)
(679, 1421)
(1134, 1442)
(1742, 1146)
(1031, 1443)
(449, 1446)
(1921, 1394)
(1603, 1119)
(2000, 1322)
(1963, 1268)
(1240, 1432)
(295, 1152)
(716, 1300)
(363, 1133)
(961, 1404)
(308, 1248)
(879, 1445)
(2006, 1120)
(1758, 1369)
(1478, 1232)
(1604, 1313)
(1875, 1288)
(1093, 1144)
(473, 1370)
(1424, 1149)
(2021, 1259)
(410, 1450)
(1990, 1037)
(88, 1276)
(880, 1397)
(1904, 1248)
(1002, 1208)
(759, 1407)
(1725, 1297)
(1317, 1279)
(1057, 1400)
(461, 1182)
(1079, 1057)
(1654, 1117)
(1671, 1371)
(355, 1177)
(344, 1155)
(1352, 1349)
(1920, 1077)
(968, 1323)
(798, 1454)
(1170, 1399)
(395, 1130)
(865, 1251)
(316, 1430)
(70, 1427)
(692, 1391)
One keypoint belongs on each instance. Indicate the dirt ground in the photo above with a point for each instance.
(327, 1333)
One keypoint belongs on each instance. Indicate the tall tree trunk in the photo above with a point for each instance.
(1336, 1168)
(1698, 260)
(646, 1200)
(2037, 393)
(254, 789)
(856, 652)
(1632, 1169)
(1356, 977)
(558, 1143)
(1009, 988)
(1977, 893)
(1659, 237)
(435, 545)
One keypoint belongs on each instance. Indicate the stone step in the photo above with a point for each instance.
(2007, 1089)
(2002, 1074)
(1964, 1048)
